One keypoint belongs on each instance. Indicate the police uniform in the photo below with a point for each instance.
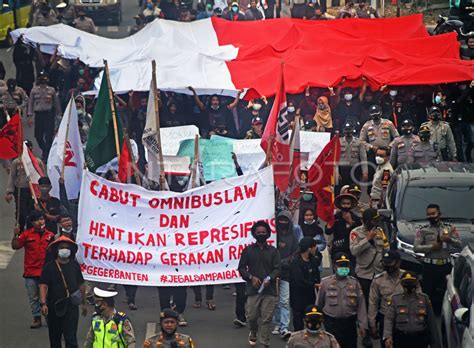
(39, 20)
(442, 140)
(410, 321)
(353, 153)
(422, 153)
(86, 24)
(342, 302)
(378, 134)
(399, 149)
(12, 100)
(182, 341)
(380, 183)
(302, 339)
(115, 331)
(436, 263)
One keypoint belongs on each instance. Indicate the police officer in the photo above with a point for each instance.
(441, 136)
(341, 300)
(400, 145)
(109, 327)
(168, 337)
(44, 105)
(13, 98)
(66, 12)
(422, 152)
(368, 243)
(437, 240)
(355, 190)
(85, 23)
(257, 129)
(410, 321)
(382, 176)
(312, 336)
(353, 155)
(44, 16)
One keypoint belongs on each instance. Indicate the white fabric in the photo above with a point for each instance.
(74, 163)
(30, 170)
(126, 234)
(150, 138)
(182, 56)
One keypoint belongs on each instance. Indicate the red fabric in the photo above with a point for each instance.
(125, 164)
(10, 138)
(277, 134)
(321, 179)
(296, 167)
(394, 51)
(35, 246)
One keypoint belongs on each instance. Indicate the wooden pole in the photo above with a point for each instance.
(112, 107)
(268, 153)
(297, 122)
(157, 115)
(195, 162)
(63, 164)
(132, 158)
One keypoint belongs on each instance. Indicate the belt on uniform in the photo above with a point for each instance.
(437, 262)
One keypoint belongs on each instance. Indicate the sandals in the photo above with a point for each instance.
(197, 304)
(211, 305)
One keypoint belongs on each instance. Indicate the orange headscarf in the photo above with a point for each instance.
(323, 118)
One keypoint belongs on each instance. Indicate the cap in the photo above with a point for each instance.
(312, 311)
(103, 294)
(424, 129)
(257, 120)
(168, 314)
(370, 214)
(354, 188)
(375, 110)
(306, 243)
(337, 201)
(63, 239)
(409, 276)
(434, 110)
(61, 5)
(341, 257)
(390, 256)
(43, 74)
(407, 123)
(348, 126)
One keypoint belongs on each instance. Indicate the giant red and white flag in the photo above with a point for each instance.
(277, 135)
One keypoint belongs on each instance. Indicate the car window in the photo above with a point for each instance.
(457, 271)
(465, 288)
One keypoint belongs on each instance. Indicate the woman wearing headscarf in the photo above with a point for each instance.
(323, 117)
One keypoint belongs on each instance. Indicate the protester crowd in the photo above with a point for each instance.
(380, 130)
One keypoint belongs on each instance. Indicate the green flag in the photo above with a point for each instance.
(101, 147)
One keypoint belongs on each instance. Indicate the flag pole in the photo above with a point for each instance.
(268, 153)
(63, 164)
(297, 122)
(112, 108)
(157, 115)
(132, 157)
(18, 189)
(195, 162)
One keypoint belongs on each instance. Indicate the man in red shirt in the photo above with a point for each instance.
(35, 241)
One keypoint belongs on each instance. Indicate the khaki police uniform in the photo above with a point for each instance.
(410, 321)
(442, 139)
(13, 100)
(106, 330)
(86, 24)
(399, 149)
(159, 340)
(343, 305)
(379, 134)
(304, 339)
(353, 153)
(39, 20)
(380, 183)
(422, 153)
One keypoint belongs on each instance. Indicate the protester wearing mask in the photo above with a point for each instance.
(310, 226)
(305, 277)
(35, 241)
(382, 176)
(169, 335)
(291, 113)
(50, 205)
(342, 302)
(344, 222)
(352, 165)
(467, 52)
(257, 129)
(400, 145)
(415, 325)
(313, 335)
(259, 266)
(234, 14)
(108, 325)
(368, 244)
(384, 286)
(441, 136)
(139, 24)
(349, 109)
(66, 227)
(13, 99)
(437, 240)
(323, 117)
(62, 290)
(462, 122)
(85, 23)
(422, 152)
(387, 101)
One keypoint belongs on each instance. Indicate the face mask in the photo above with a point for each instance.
(260, 238)
(433, 220)
(406, 131)
(348, 134)
(283, 224)
(82, 17)
(462, 87)
(438, 99)
(64, 253)
(409, 286)
(66, 230)
(425, 137)
(309, 222)
(43, 82)
(345, 209)
(11, 88)
(323, 106)
(149, 6)
(214, 107)
(372, 224)
(235, 8)
(376, 117)
(343, 271)
(348, 97)
(257, 107)
(393, 93)
(379, 160)
(313, 327)
(291, 109)
(45, 190)
(436, 116)
(307, 197)
(81, 72)
(98, 309)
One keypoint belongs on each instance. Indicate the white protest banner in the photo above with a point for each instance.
(177, 165)
(129, 235)
(313, 143)
(171, 137)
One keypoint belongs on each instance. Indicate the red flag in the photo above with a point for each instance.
(321, 178)
(125, 164)
(10, 138)
(277, 134)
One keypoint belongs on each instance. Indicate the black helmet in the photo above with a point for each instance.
(349, 127)
(407, 123)
(375, 110)
(309, 124)
(434, 110)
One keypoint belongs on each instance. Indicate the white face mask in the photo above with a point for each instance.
(379, 160)
(291, 109)
(393, 93)
(257, 107)
(64, 253)
(348, 97)
(67, 230)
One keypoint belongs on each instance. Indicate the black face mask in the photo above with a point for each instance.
(433, 220)
(345, 209)
(375, 117)
(406, 131)
(261, 238)
(409, 286)
(98, 309)
(390, 269)
(436, 117)
(425, 137)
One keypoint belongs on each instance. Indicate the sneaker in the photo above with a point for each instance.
(182, 321)
(36, 324)
(226, 286)
(252, 338)
(285, 334)
(239, 323)
(276, 330)
(132, 306)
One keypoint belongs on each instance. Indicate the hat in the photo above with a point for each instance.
(375, 110)
(341, 257)
(306, 243)
(424, 129)
(370, 214)
(348, 126)
(168, 313)
(434, 110)
(391, 256)
(354, 188)
(257, 120)
(407, 123)
(312, 311)
(61, 5)
(337, 201)
(234, 3)
(63, 239)
(100, 294)
(43, 74)
(409, 276)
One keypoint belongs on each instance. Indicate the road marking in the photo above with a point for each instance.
(6, 253)
(112, 29)
(128, 29)
(326, 257)
(150, 330)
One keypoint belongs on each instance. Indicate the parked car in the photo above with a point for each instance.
(457, 316)
(101, 11)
